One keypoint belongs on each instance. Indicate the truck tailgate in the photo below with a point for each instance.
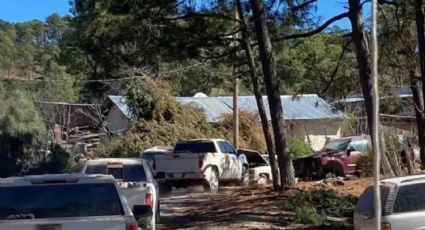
(86, 223)
(177, 163)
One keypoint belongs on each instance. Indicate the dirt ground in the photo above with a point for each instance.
(354, 186)
(237, 208)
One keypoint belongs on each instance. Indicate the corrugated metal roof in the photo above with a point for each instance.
(119, 101)
(300, 107)
(212, 107)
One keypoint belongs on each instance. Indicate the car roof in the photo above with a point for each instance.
(201, 140)
(46, 178)
(414, 179)
(116, 161)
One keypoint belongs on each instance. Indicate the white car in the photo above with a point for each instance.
(65, 202)
(201, 162)
(403, 205)
(260, 171)
(135, 180)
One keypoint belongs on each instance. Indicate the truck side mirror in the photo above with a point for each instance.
(349, 150)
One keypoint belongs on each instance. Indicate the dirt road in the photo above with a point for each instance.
(231, 208)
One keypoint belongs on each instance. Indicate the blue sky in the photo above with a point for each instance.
(27, 10)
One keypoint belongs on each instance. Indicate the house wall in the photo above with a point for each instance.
(117, 121)
(314, 132)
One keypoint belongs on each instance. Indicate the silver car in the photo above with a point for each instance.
(65, 202)
(403, 205)
(135, 180)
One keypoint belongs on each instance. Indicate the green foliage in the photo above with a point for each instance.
(314, 205)
(364, 164)
(298, 147)
(165, 123)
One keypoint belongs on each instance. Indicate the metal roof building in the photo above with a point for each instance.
(301, 107)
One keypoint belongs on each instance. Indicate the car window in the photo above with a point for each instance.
(361, 145)
(410, 198)
(337, 145)
(223, 147)
(126, 173)
(70, 200)
(230, 148)
(365, 206)
(96, 169)
(195, 147)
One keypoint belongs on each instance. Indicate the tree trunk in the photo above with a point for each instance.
(415, 86)
(272, 87)
(420, 23)
(258, 97)
(361, 44)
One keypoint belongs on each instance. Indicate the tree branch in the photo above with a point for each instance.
(335, 71)
(302, 5)
(317, 30)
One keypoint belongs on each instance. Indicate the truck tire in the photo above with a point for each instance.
(212, 182)
(244, 182)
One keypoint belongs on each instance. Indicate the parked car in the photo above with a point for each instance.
(201, 162)
(66, 202)
(338, 156)
(403, 205)
(135, 180)
(149, 154)
(260, 171)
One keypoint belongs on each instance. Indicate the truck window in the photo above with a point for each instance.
(230, 148)
(126, 173)
(410, 198)
(361, 145)
(222, 147)
(70, 200)
(195, 147)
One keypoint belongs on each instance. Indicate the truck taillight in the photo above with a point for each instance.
(132, 227)
(200, 161)
(131, 224)
(149, 199)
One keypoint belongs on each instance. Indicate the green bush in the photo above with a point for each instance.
(297, 147)
(314, 205)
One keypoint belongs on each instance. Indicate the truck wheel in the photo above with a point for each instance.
(212, 180)
(245, 177)
(263, 180)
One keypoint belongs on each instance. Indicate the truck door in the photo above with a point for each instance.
(224, 160)
(235, 167)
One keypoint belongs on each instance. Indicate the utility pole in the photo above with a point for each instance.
(236, 87)
(375, 119)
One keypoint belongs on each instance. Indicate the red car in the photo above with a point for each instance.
(338, 156)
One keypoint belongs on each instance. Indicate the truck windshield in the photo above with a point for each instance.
(195, 147)
(56, 201)
(337, 145)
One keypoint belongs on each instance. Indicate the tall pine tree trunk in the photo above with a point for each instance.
(272, 87)
(361, 44)
(418, 90)
(258, 97)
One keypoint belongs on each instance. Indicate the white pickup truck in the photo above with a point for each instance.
(201, 162)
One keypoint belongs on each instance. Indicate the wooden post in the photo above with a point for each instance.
(235, 90)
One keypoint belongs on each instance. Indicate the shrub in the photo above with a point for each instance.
(314, 205)
(298, 147)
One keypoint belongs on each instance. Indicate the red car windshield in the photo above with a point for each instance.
(337, 145)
